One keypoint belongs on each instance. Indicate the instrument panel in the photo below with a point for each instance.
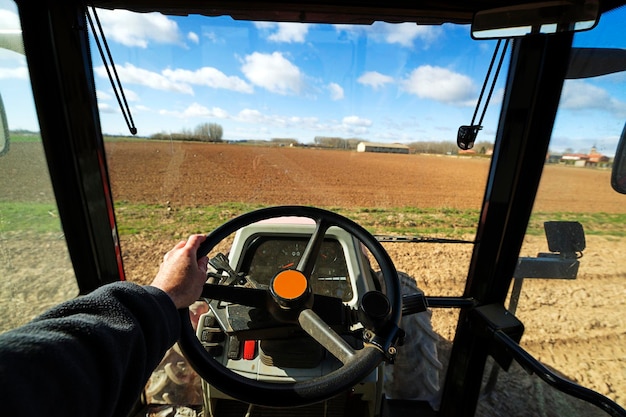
(267, 255)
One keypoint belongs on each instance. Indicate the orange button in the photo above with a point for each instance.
(289, 284)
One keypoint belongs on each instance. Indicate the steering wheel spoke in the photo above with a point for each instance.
(326, 336)
(307, 261)
(250, 297)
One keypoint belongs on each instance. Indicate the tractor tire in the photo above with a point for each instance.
(415, 373)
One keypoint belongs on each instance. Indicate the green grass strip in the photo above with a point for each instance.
(165, 221)
(30, 217)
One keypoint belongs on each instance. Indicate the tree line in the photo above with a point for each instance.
(213, 132)
(205, 132)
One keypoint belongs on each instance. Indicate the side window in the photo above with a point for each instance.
(569, 287)
(35, 268)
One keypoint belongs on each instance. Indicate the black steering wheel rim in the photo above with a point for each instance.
(315, 389)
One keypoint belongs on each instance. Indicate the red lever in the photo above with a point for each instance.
(249, 349)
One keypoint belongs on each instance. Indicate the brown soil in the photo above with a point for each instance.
(195, 174)
(576, 326)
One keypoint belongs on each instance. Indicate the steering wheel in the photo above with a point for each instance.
(289, 300)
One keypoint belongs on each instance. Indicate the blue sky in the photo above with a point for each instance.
(385, 82)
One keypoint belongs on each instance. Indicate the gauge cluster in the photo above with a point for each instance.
(266, 255)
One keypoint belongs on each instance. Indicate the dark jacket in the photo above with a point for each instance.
(90, 356)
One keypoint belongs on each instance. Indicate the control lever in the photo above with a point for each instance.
(220, 262)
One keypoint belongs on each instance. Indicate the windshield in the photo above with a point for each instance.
(235, 115)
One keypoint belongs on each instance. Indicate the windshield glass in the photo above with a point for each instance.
(235, 115)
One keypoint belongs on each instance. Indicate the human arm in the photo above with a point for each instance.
(93, 355)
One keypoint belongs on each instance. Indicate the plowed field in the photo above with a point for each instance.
(197, 174)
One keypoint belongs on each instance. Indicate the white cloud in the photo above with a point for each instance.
(404, 34)
(439, 84)
(336, 92)
(177, 80)
(579, 95)
(211, 36)
(273, 72)
(196, 110)
(356, 121)
(193, 37)
(106, 108)
(209, 77)
(101, 95)
(9, 20)
(352, 125)
(582, 95)
(285, 31)
(374, 79)
(132, 75)
(252, 116)
(131, 95)
(139, 29)
(20, 73)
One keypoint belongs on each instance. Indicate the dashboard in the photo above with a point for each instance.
(267, 255)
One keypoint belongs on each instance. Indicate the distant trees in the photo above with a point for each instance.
(437, 147)
(209, 132)
(205, 132)
(336, 142)
(213, 132)
(447, 147)
(284, 141)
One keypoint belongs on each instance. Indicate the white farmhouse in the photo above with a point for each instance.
(382, 147)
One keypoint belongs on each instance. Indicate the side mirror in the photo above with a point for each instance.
(4, 130)
(531, 18)
(618, 173)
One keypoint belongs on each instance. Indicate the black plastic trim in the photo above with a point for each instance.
(57, 50)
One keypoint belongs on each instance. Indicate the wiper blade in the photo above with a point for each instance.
(419, 239)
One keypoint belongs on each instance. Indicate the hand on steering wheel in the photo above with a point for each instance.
(289, 300)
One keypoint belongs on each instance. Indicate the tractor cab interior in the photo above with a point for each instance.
(411, 208)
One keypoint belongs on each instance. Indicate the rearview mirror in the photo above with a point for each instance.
(618, 173)
(544, 17)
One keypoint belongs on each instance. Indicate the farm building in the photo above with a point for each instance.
(382, 147)
(593, 158)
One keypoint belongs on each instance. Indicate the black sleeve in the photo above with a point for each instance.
(90, 356)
